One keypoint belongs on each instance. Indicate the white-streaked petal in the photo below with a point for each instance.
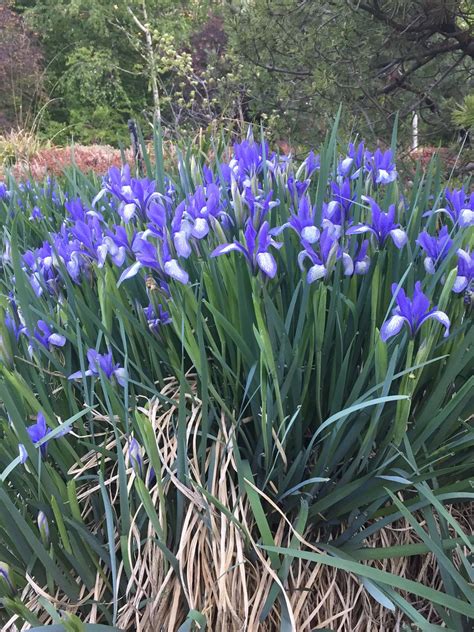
(129, 272)
(392, 327)
(267, 264)
(128, 211)
(362, 267)
(332, 208)
(181, 243)
(57, 340)
(441, 317)
(429, 265)
(310, 234)
(102, 251)
(121, 376)
(347, 264)
(173, 269)
(315, 272)
(460, 284)
(399, 237)
(200, 228)
(466, 217)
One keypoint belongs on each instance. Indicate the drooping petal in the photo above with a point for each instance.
(359, 229)
(466, 217)
(429, 265)
(223, 249)
(102, 251)
(181, 243)
(23, 453)
(310, 234)
(316, 272)
(392, 327)
(129, 272)
(173, 269)
(347, 264)
(267, 263)
(57, 340)
(128, 211)
(119, 257)
(460, 284)
(441, 317)
(120, 375)
(79, 374)
(200, 228)
(399, 237)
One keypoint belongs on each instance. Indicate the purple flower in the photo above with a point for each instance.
(36, 213)
(258, 206)
(324, 260)
(338, 210)
(361, 259)
(303, 222)
(382, 226)
(354, 158)
(102, 362)
(255, 248)
(460, 207)
(37, 432)
(436, 248)
(45, 335)
(412, 313)
(4, 193)
(147, 255)
(134, 453)
(248, 159)
(155, 320)
(312, 163)
(380, 166)
(465, 276)
(297, 188)
(135, 195)
(76, 210)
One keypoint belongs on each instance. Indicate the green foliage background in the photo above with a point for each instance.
(285, 63)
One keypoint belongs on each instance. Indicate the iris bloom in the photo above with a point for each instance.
(460, 207)
(382, 226)
(312, 163)
(323, 261)
(436, 248)
(303, 222)
(102, 362)
(147, 255)
(380, 166)
(255, 248)
(37, 432)
(154, 320)
(412, 313)
(465, 276)
(353, 159)
(45, 335)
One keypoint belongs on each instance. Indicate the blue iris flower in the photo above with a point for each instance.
(382, 226)
(255, 248)
(412, 313)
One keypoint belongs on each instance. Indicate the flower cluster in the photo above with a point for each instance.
(233, 208)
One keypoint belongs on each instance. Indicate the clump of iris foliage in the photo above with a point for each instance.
(322, 305)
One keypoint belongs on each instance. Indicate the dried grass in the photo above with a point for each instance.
(220, 574)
